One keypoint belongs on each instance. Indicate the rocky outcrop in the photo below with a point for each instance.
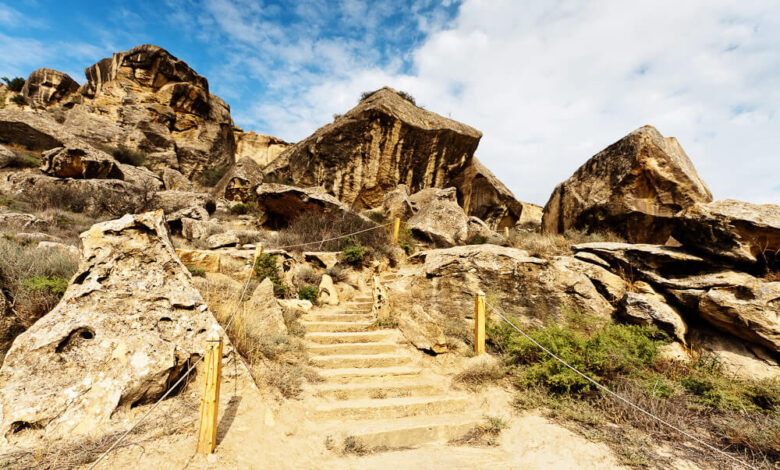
(385, 140)
(396, 204)
(148, 100)
(530, 218)
(6, 157)
(737, 231)
(180, 204)
(45, 87)
(632, 188)
(175, 181)
(129, 324)
(264, 317)
(327, 293)
(648, 308)
(32, 131)
(262, 149)
(482, 195)
(282, 203)
(75, 162)
(241, 181)
(442, 222)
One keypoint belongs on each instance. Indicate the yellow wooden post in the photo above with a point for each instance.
(396, 230)
(209, 403)
(506, 233)
(479, 323)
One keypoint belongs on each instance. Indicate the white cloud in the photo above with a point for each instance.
(552, 83)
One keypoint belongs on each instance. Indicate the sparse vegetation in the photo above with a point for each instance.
(385, 323)
(243, 208)
(477, 239)
(481, 373)
(200, 272)
(338, 273)
(19, 99)
(126, 155)
(23, 159)
(266, 268)
(308, 292)
(14, 84)
(547, 245)
(211, 176)
(352, 445)
(354, 253)
(484, 434)
(313, 228)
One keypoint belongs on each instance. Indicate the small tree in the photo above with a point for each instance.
(14, 84)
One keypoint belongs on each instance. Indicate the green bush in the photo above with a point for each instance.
(266, 268)
(197, 271)
(211, 176)
(14, 84)
(53, 284)
(308, 293)
(126, 155)
(19, 99)
(242, 208)
(354, 253)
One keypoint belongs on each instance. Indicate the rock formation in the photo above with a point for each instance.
(632, 188)
(241, 181)
(129, 324)
(482, 195)
(45, 87)
(282, 203)
(85, 163)
(263, 149)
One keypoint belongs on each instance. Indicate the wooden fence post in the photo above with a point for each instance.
(506, 233)
(479, 323)
(209, 403)
(396, 230)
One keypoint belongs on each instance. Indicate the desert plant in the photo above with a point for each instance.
(266, 268)
(48, 284)
(14, 84)
(243, 208)
(200, 272)
(337, 272)
(313, 228)
(211, 176)
(23, 159)
(19, 99)
(354, 253)
(308, 292)
(353, 445)
(126, 155)
(407, 96)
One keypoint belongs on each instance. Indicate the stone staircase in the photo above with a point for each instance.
(374, 389)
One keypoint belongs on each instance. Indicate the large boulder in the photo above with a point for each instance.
(76, 162)
(6, 157)
(632, 188)
(282, 203)
(45, 87)
(150, 101)
(33, 131)
(442, 222)
(263, 149)
(738, 231)
(129, 324)
(383, 141)
(241, 181)
(650, 309)
(180, 204)
(482, 195)
(264, 318)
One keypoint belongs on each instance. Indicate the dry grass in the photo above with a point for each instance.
(484, 434)
(480, 373)
(309, 228)
(772, 276)
(547, 245)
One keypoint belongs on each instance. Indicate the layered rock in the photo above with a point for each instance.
(262, 149)
(75, 162)
(650, 309)
(45, 87)
(632, 188)
(482, 195)
(32, 131)
(129, 324)
(734, 230)
(442, 222)
(385, 140)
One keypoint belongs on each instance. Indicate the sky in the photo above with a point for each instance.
(548, 82)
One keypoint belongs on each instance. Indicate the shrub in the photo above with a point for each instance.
(197, 271)
(126, 155)
(19, 99)
(243, 208)
(211, 176)
(313, 228)
(53, 284)
(338, 273)
(308, 293)
(266, 268)
(354, 253)
(22, 159)
(16, 84)
(408, 97)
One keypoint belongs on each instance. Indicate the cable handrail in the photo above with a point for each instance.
(617, 396)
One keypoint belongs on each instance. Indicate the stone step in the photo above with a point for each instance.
(368, 374)
(356, 391)
(335, 326)
(352, 348)
(363, 299)
(344, 361)
(358, 309)
(349, 337)
(401, 407)
(338, 317)
(409, 432)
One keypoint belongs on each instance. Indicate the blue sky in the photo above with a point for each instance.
(549, 83)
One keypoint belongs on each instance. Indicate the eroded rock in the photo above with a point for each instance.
(76, 162)
(327, 295)
(440, 221)
(263, 149)
(264, 318)
(241, 181)
(282, 203)
(650, 309)
(45, 87)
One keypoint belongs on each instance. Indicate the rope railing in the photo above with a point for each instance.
(227, 326)
(615, 395)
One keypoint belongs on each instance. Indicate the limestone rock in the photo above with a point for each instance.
(264, 318)
(220, 240)
(32, 131)
(295, 306)
(241, 181)
(6, 157)
(45, 87)
(328, 295)
(208, 261)
(651, 309)
(479, 229)
(174, 202)
(69, 249)
(21, 221)
(421, 329)
(482, 195)
(96, 351)
(10, 326)
(632, 188)
(611, 286)
(385, 140)
(282, 203)
(142, 178)
(396, 203)
(75, 162)
(426, 196)
(738, 358)
(175, 181)
(263, 149)
(738, 231)
(530, 218)
(325, 259)
(442, 222)
(194, 229)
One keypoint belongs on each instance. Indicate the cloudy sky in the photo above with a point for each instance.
(548, 82)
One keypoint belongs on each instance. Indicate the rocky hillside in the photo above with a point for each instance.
(131, 207)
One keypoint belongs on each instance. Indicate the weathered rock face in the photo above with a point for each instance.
(530, 218)
(241, 181)
(328, 295)
(482, 195)
(263, 149)
(30, 130)
(737, 231)
(264, 318)
(385, 140)
(650, 309)
(442, 222)
(179, 204)
(6, 157)
(282, 203)
(127, 327)
(633, 188)
(175, 181)
(45, 87)
(74, 162)
(10, 326)
(396, 203)
(148, 100)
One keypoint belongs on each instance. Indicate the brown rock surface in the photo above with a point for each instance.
(264, 318)
(175, 181)
(31, 130)
(128, 325)
(10, 325)
(76, 162)
(738, 231)
(650, 309)
(482, 195)
(383, 141)
(440, 221)
(633, 188)
(45, 87)
(263, 149)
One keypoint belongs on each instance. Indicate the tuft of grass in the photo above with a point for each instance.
(197, 271)
(547, 245)
(479, 374)
(338, 273)
(23, 159)
(126, 155)
(384, 323)
(308, 292)
(352, 445)
(46, 284)
(477, 239)
(243, 208)
(313, 228)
